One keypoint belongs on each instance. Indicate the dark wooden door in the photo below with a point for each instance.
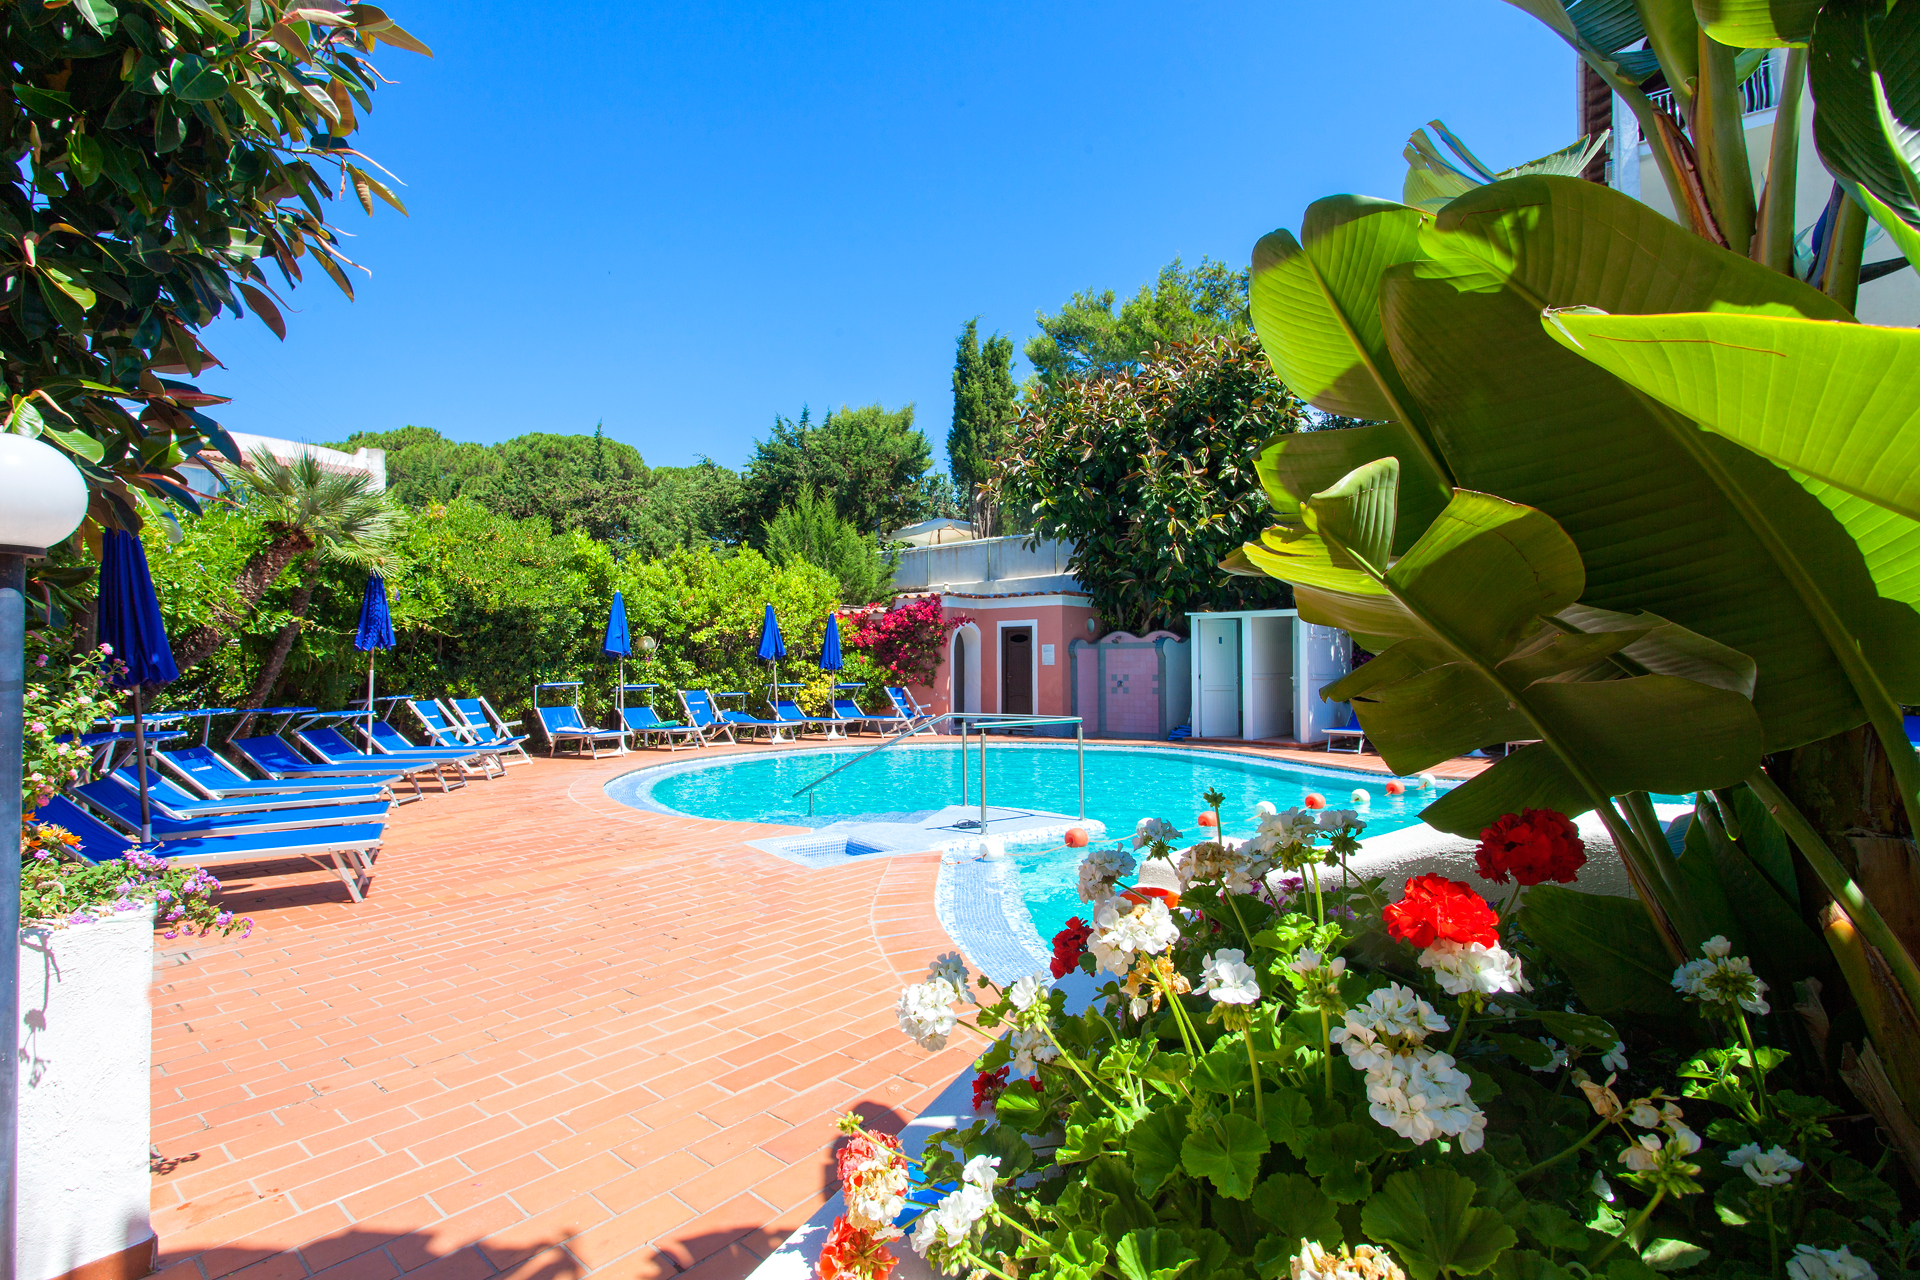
(1016, 671)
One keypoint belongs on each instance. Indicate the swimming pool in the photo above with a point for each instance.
(1124, 785)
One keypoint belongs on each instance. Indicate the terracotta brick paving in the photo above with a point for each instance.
(561, 1037)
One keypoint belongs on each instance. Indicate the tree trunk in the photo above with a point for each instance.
(283, 643)
(287, 543)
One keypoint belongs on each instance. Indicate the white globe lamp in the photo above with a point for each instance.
(42, 497)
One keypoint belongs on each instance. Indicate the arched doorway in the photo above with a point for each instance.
(963, 668)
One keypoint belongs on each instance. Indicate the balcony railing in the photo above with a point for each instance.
(1757, 93)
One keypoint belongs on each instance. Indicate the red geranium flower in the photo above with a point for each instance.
(1435, 907)
(987, 1086)
(1069, 945)
(864, 1147)
(852, 1253)
(1536, 845)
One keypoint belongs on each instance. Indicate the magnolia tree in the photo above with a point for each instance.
(1281, 1072)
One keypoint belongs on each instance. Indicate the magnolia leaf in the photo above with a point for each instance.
(1294, 1206)
(1426, 1215)
(43, 102)
(264, 308)
(1153, 1254)
(1154, 1145)
(78, 443)
(192, 79)
(1226, 1150)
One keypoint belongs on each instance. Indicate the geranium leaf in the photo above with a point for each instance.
(1525, 1264)
(1666, 1254)
(1225, 1069)
(1289, 1119)
(1428, 1217)
(1226, 1150)
(1297, 1209)
(1154, 1144)
(1153, 1254)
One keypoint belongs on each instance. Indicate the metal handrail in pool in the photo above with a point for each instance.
(983, 721)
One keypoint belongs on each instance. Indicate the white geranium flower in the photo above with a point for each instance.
(1363, 1263)
(1809, 1263)
(1771, 1168)
(1153, 831)
(1556, 1056)
(1291, 826)
(1031, 1047)
(1423, 1096)
(1722, 979)
(1101, 869)
(1473, 967)
(1229, 979)
(1393, 1017)
(981, 1171)
(1341, 819)
(1615, 1059)
(1123, 928)
(1029, 989)
(1307, 960)
(953, 1219)
(926, 1013)
(951, 969)
(1601, 1187)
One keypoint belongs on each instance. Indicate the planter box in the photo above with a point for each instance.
(86, 1043)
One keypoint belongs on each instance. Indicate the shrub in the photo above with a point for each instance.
(908, 639)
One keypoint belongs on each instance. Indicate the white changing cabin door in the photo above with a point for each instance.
(1217, 651)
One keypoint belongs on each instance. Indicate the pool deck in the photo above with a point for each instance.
(562, 1037)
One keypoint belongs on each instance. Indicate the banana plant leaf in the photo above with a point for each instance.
(1485, 642)
(1667, 519)
(1840, 402)
(1863, 65)
(1758, 24)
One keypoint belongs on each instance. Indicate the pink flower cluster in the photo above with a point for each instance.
(907, 637)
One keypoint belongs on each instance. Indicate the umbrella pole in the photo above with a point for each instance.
(369, 699)
(140, 768)
(620, 704)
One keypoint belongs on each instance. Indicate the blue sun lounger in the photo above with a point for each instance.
(118, 805)
(848, 712)
(276, 758)
(744, 723)
(787, 711)
(1348, 732)
(211, 775)
(168, 796)
(698, 704)
(646, 722)
(563, 724)
(333, 748)
(448, 734)
(478, 717)
(348, 849)
(389, 741)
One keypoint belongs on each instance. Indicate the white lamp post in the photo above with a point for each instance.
(42, 500)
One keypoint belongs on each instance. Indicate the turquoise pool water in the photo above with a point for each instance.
(1124, 785)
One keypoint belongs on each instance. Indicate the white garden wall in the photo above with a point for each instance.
(86, 1040)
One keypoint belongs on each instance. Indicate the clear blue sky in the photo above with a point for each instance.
(684, 219)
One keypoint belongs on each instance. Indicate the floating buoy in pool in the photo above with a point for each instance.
(1426, 781)
(1314, 800)
(1266, 809)
(1360, 798)
(1077, 837)
(993, 848)
(1206, 820)
(1396, 788)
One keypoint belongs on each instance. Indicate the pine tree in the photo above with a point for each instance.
(983, 413)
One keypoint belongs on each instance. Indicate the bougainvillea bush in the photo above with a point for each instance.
(908, 638)
(1283, 1073)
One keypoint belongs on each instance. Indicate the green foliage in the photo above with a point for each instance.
(163, 152)
(590, 483)
(985, 408)
(1087, 338)
(486, 604)
(1200, 1118)
(869, 462)
(1150, 474)
(808, 531)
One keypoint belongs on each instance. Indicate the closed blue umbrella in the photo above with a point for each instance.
(772, 648)
(130, 623)
(830, 647)
(374, 632)
(617, 644)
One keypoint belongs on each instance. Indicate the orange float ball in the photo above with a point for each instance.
(1315, 800)
(1207, 820)
(1077, 837)
(1396, 789)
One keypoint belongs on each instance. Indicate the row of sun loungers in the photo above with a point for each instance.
(707, 722)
